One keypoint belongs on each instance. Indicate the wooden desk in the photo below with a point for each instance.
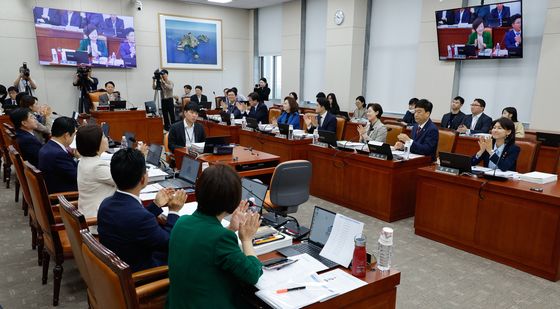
(241, 156)
(147, 129)
(379, 188)
(503, 221)
(286, 149)
(215, 129)
(380, 292)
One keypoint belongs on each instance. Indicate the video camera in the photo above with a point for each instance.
(25, 70)
(83, 71)
(157, 74)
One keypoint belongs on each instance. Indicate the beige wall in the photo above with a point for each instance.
(545, 107)
(17, 36)
(291, 45)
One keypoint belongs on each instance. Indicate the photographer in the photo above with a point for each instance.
(262, 90)
(86, 83)
(162, 82)
(23, 82)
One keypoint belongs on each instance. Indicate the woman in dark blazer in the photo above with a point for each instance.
(290, 114)
(206, 265)
(262, 90)
(335, 108)
(500, 151)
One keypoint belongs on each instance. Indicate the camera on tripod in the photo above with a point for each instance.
(82, 72)
(25, 70)
(157, 74)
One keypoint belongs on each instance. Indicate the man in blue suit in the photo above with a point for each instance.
(127, 49)
(71, 18)
(258, 109)
(477, 122)
(113, 26)
(57, 163)
(324, 121)
(463, 16)
(46, 16)
(25, 122)
(500, 13)
(128, 228)
(513, 38)
(425, 134)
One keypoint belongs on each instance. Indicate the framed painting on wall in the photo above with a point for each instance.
(190, 43)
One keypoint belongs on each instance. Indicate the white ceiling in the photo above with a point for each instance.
(241, 4)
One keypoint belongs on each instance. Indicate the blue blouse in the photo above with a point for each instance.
(289, 118)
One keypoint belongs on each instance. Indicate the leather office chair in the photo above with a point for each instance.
(340, 122)
(7, 163)
(74, 221)
(94, 98)
(115, 286)
(36, 234)
(274, 113)
(446, 141)
(527, 159)
(10, 139)
(56, 244)
(289, 186)
(392, 132)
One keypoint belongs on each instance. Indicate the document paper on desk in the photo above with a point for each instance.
(340, 245)
(294, 272)
(340, 281)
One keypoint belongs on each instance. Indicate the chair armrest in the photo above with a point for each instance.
(152, 288)
(70, 195)
(151, 273)
(91, 221)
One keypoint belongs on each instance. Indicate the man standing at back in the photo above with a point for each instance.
(128, 228)
(477, 122)
(454, 118)
(425, 134)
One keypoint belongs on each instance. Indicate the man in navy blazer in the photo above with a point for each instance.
(257, 110)
(198, 97)
(425, 134)
(128, 228)
(500, 13)
(324, 121)
(127, 48)
(59, 168)
(52, 17)
(25, 122)
(113, 26)
(74, 17)
(463, 16)
(477, 122)
(194, 132)
(513, 37)
(454, 118)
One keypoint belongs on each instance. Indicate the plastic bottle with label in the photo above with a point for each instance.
(124, 142)
(385, 249)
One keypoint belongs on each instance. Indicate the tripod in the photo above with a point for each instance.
(158, 96)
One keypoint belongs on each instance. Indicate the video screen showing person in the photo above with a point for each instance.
(71, 38)
(480, 32)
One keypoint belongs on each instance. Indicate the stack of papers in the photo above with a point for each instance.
(352, 145)
(538, 177)
(155, 175)
(198, 147)
(340, 245)
(500, 173)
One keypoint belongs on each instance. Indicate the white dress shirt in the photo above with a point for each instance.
(189, 134)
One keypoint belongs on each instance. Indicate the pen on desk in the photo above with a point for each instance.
(290, 289)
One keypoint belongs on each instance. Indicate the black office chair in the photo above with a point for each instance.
(289, 188)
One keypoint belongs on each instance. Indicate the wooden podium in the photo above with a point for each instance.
(147, 129)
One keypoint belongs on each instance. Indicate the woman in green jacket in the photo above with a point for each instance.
(96, 48)
(206, 265)
(479, 38)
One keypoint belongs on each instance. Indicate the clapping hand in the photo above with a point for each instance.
(177, 200)
(361, 130)
(248, 228)
(239, 216)
(485, 144)
(163, 196)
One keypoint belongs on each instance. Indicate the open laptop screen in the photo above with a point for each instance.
(254, 189)
(189, 169)
(321, 226)
(154, 154)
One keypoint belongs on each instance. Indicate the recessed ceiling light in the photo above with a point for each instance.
(220, 1)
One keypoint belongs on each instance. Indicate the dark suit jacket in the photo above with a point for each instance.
(59, 168)
(29, 146)
(329, 124)
(177, 138)
(508, 160)
(409, 118)
(466, 17)
(132, 231)
(194, 98)
(95, 19)
(263, 93)
(482, 125)
(457, 121)
(505, 13)
(426, 141)
(259, 112)
(509, 39)
(449, 15)
(54, 18)
(126, 55)
(108, 27)
(8, 102)
(75, 20)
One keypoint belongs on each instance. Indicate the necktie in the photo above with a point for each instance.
(319, 120)
(418, 129)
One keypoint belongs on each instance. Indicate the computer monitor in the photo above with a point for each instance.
(150, 107)
(214, 141)
(189, 169)
(284, 128)
(327, 137)
(205, 105)
(321, 226)
(455, 160)
(382, 149)
(253, 189)
(116, 105)
(252, 123)
(548, 139)
(226, 117)
(154, 154)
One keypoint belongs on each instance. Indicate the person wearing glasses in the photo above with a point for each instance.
(477, 121)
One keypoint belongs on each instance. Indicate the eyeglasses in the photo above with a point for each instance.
(475, 104)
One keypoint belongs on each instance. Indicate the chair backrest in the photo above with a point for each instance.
(74, 221)
(392, 132)
(42, 208)
(340, 122)
(9, 126)
(446, 142)
(108, 275)
(289, 186)
(18, 164)
(274, 113)
(94, 95)
(166, 141)
(527, 159)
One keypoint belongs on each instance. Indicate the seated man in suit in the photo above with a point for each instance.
(186, 98)
(25, 122)
(454, 118)
(11, 100)
(128, 228)
(445, 17)
(198, 97)
(57, 163)
(463, 16)
(230, 104)
(184, 133)
(46, 16)
(513, 37)
(500, 13)
(408, 118)
(110, 95)
(113, 26)
(425, 134)
(324, 121)
(257, 110)
(477, 122)
(127, 48)
(71, 19)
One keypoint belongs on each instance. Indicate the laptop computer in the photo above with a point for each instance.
(226, 117)
(206, 105)
(81, 57)
(187, 176)
(252, 123)
(383, 149)
(327, 137)
(548, 139)
(455, 160)
(215, 141)
(253, 189)
(154, 154)
(117, 105)
(284, 128)
(344, 114)
(321, 227)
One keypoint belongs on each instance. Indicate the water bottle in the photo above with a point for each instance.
(385, 249)
(232, 119)
(359, 259)
(315, 136)
(407, 145)
(449, 53)
(291, 132)
(124, 142)
(244, 123)
(498, 50)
